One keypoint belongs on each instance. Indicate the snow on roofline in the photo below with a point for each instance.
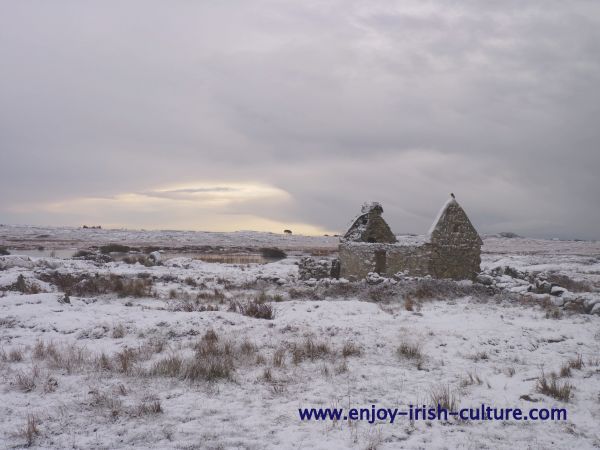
(449, 202)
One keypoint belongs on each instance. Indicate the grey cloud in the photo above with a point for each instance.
(334, 102)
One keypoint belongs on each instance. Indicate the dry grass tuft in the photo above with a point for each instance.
(471, 379)
(351, 349)
(576, 363)
(119, 331)
(565, 371)
(170, 366)
(149, 406)
(279, 357)
(256, 308)
(15, 355)
(409, 351)
(309, 349)
(107, 401)
(125, 360)
(30, 430)
(26, 382)
(409, 304)
(443, 396)
(480, 356)
(553, 388)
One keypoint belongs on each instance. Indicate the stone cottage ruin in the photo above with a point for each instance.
(452, 248)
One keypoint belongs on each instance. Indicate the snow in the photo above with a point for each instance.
(439, 215)
(249, 412)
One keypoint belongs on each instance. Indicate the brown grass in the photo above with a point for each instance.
(85, 285)
(309, 349)
(576, 363)
(119, 331)
(22, 286)
(125, 360)
(256, 308)
(409, 350)
(26, 382)
(554, 388)
(279, 357)
(471, 379)
(568, 283)
(149, 406)
(30, 430)
(442, 395)
(170, 366)
(351, 349)
(409, 304)
(15, 355)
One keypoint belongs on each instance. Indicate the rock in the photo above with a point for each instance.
(543, 287)
(155, 256)
(557, 291)
(484, 279)
(318, 269)
(596, 309)
(374, 278)
(528, 398)
(557, 301)
(590, 302)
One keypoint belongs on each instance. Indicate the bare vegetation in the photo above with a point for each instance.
(568, 283)
(115, 248)
(85, 285)
(443, 396)
(272, 253)
(279, 357)
(119, 331)
(15, 355)
(409, 350)
(576, 363)
(554, 388)
(310, 349)
(351, 349)
(30, 430)
(26, 382)
(149, 406)
(256, 308)
(22, 286)
(471, 379)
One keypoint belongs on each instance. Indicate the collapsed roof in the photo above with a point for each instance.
(369, 226)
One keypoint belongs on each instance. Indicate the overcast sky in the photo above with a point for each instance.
(228, 115)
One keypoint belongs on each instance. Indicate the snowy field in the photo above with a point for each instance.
(123, 351)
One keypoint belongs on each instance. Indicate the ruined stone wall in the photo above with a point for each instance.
(415, 260)
(452, 249)
(318, 268)
(459, 261)
(456, 246)
(358, 259)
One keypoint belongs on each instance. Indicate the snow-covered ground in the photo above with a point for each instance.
(110, 365)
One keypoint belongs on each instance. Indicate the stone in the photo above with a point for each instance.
(557, 291)
(155, 256)
(543, 287)
(484, 279)
(596, 309)
(369, 226)
(452, 249)
(317, 269)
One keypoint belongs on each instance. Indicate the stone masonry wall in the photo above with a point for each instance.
(358, 259)
(457, 262)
